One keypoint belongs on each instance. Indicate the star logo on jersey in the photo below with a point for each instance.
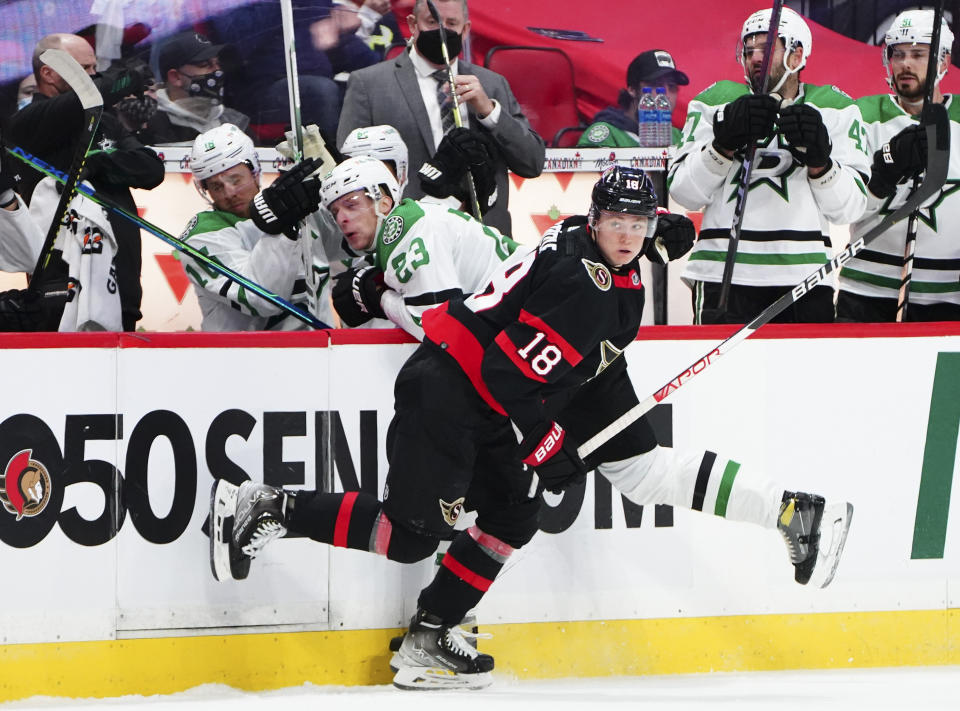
(608, 354)
(106, 144)
(599, 274)
(928, 213)
(773, 164)
(392, 229)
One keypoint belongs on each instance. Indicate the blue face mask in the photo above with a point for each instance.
(25, 101)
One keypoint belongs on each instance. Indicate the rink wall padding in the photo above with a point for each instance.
(106, 588)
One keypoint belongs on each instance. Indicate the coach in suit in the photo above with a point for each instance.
(408, 93)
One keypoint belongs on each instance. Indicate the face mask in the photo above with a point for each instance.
(24, 102)
(137, 109)
(206, 85)
(428, 44)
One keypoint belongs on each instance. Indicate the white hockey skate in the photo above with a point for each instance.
(433, 657)
(815, 535)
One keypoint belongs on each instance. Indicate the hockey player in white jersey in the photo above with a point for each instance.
(226, 172)
(870, 282)
(809, 171)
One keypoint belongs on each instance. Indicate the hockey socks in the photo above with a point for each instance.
(466, 572)
(344, 520)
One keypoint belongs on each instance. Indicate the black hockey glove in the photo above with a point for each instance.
(905, 155)
(278, 208)
(551, 451)
(356, 295)
(462, 149)
(674, 237)
(808, 140)
(747, 119)
(118, 81)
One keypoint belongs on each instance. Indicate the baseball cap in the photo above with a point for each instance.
(653, 65)
(185, 48)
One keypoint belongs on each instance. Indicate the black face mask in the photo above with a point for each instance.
(429, 45)
(208, 85)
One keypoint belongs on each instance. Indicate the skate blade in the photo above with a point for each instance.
(435, 678)
(834, 527)
(223, 502)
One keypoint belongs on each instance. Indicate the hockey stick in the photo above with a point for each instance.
(743, 189)
(933, 68)
(91, 101)
(178, 244)
(937, 123)
(293, 82)
(457, 120)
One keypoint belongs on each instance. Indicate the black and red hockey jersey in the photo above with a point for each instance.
(546, 323)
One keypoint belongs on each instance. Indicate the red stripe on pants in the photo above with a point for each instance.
(343, 519)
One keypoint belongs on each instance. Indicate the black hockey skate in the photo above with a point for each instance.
(468, 628)
(244, 520)
(433, 656)
(803, 521)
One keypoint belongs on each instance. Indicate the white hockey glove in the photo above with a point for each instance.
(313, 147)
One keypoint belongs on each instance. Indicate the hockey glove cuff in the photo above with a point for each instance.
(747, 119)
(551, 451)
(809, 143)
(674, 237)
(278, 208)
(356, 295)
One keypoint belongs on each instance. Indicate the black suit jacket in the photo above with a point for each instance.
(388, 93)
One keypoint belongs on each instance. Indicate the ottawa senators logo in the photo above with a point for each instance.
(451, 512)
(24, 485)
(599, 273)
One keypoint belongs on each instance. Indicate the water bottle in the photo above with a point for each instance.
(664, 117)
(647, 117)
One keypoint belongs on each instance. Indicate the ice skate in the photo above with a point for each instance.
(226, 562)
(433, 656)
(801, 523)
(259, 517)
(468, 628)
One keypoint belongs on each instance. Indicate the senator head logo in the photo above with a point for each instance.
(24, 485)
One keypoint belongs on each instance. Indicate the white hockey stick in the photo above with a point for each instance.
(937, 124)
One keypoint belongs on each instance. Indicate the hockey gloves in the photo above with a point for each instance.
(674, 237)
(462, 150)
(748, 119)
(809, 143)
(552, 453)
(903, 156)
(356, 295)
(279, 208)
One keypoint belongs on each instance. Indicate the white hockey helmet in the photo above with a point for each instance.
(380, 142)
(360, 173)
(793, 30)
(219, 149)
(916, 27)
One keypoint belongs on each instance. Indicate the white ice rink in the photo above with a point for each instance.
(916, 689)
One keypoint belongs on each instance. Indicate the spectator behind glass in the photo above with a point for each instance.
(409, 94)
(616, 126)
(191, 100)
(25, 90)
(255, 33)
(49, 128)
(376, 25)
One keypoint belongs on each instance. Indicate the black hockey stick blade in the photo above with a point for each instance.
(174, 242)
(937, 123)
(92, 103)
(736, 227)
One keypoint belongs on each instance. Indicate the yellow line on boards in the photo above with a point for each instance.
(525, 651)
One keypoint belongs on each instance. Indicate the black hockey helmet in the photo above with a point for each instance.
(626, 190)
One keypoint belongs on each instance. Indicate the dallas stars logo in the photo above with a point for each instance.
(927, 214)
(777, 183)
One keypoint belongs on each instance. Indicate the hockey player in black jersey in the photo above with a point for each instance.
(538, 349)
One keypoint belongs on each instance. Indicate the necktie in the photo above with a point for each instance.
(444, 99)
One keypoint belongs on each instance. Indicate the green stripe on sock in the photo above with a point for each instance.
(726, 485)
